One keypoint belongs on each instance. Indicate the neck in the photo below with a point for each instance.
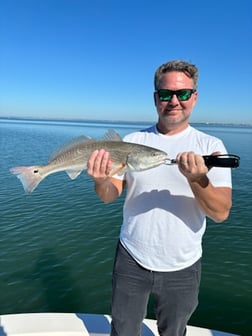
(171, 129)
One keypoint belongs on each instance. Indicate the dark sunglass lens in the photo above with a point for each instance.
(164, 95)
(184, 95)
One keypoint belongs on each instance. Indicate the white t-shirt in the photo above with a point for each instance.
(163, 224)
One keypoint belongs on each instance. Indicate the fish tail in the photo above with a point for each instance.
(29, 176)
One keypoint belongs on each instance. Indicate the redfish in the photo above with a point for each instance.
(73, 158)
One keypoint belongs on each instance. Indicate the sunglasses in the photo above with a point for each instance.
(182, 95)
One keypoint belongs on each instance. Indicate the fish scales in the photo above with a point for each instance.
(119, 152)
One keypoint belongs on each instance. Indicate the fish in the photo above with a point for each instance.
(73, 157)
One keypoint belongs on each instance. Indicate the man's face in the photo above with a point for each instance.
(174, 114)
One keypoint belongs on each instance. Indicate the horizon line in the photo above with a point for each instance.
(116, 120)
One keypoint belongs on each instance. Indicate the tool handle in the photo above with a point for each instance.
(223, 160)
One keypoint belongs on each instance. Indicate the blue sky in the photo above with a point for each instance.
(96, 59)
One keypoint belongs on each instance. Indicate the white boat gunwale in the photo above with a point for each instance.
(77, 324)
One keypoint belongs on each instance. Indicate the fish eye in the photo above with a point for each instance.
(35, 171)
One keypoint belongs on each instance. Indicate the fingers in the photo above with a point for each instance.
(99, 164)
(216, 153)
(191, 164)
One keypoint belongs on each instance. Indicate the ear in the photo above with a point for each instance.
(195, 98)
(196, 95)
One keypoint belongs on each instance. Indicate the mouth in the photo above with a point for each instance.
(171, 111)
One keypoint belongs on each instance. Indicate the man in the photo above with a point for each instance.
(160, 250)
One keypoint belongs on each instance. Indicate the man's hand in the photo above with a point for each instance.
(192, 166)
(99, 165)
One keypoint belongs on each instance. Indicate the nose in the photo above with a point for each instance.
(174, 100)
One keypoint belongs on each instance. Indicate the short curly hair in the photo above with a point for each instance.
(190, 70)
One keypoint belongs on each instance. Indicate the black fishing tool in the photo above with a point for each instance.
(222, 160)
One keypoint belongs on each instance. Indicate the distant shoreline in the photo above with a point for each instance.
(124, 122)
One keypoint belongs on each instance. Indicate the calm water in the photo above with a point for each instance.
(57, 244)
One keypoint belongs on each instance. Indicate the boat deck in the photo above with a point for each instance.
(70, 324)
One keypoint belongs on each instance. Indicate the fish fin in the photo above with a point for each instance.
(112, 135)
(118, 170)
(73, 174)
(70, 145)
(29, 177)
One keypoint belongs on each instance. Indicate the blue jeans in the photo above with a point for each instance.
(175, 296)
